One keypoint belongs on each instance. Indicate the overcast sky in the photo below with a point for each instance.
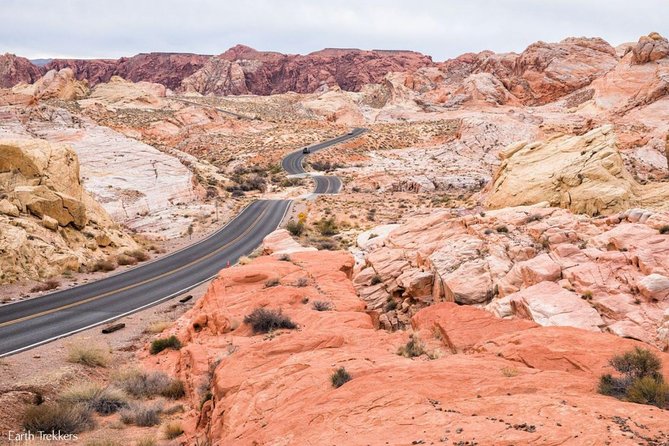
(440, 28)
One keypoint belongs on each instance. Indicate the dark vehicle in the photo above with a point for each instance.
(306, 150)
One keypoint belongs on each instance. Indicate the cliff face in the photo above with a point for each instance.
(243, 70)
(168, 69)
(14, 69)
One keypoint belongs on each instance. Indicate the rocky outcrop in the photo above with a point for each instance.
(247, 389)
(243, 70)
(55, 85)
(168, 69)
(543, 264)
(48, 223)
(120, 93)
(585, 174)
(650, 48)
(14, 70)
(281, 243)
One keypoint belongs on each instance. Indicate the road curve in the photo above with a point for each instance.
(29, 323)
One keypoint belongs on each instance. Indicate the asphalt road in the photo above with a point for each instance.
(29, 323)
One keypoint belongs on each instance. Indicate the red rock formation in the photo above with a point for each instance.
(168, 69)
(14, 69)
(543, 72)
(243, 70)
(482, 380)
(650, 48)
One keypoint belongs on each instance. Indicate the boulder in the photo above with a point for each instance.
(654, 287)
(49, 223)
(650, 48)
(42, 201)
(8, 208)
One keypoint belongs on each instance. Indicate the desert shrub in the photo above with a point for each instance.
(146, 441)
(57, 417)
(139, 415)
(174, 390)
(664, 229)
(413, 348)
(326, 244)
(269, 283)
(88, 355)
(376, 279)
(340, 377)
(173, 430)
(104, 265)
(103, 400)
(321, 305)
(144, 385)
(124, 260)
(157, 327)
(49, 285)
(295, 227)
(648, 390)
(302, 282)
(263, 320)
(502, 229)
(284, 258)
(391, 305)
(327, 226)
(640, 381)
(161, 344)
(139, 255)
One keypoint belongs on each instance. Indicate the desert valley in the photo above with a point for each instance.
(498, 242)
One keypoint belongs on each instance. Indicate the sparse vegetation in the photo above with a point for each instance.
(391, 305)
(139, 255)
(263, 320)
(57, 417)
(340, 377)
(413, 348)
(104, 265)
(269, 283)
(49, 285)
(103, 400)
(327, 226)
(140, 415)
(302, 282)
(321, 305)
(145, 385)
(158, 327)
(502, 229)
(124, 260)
(296, 228)
(376, 279)
(161, 344)
(641, 381)
(173, 430)
(88, 355)
(146, 441)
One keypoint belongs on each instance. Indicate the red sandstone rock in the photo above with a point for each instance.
(14, 69)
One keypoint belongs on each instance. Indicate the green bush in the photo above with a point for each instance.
(161, 344)
(340, 377)
(641, 380)
(295, 227)
(263, 320)
(648, 390)
(327, 226)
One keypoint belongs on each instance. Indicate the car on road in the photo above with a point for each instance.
(351, 132)
(306, 150)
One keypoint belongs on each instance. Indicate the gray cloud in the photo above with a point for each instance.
(441, 28)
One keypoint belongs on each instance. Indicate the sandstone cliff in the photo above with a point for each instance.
(49, 223)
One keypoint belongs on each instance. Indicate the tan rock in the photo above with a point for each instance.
(650, 48)
(56, 85)
(280, 242)
(49, 222)
(8, 208)
(582, 173)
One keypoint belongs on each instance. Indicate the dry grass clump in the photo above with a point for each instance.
(413, 348)
(103, 400)
(340, 377)
(49, 285)
(149, 384)
(124, 260)
(141, 415)
(173, 430)
(322, 305)
(157, 327)
(104, 265)
(57, 417)
(139, 255)
(88, 355)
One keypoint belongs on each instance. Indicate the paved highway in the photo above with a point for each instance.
(29, 323)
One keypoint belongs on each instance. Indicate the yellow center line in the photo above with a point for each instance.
(165, 274)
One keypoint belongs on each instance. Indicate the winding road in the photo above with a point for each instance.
(29, 323)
